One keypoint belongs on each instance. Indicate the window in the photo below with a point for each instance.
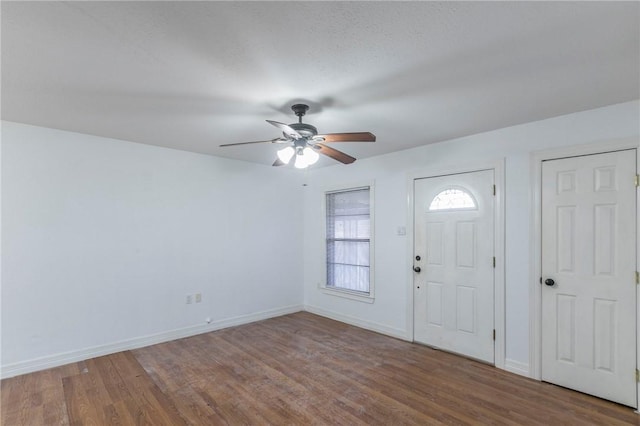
(453, 199)
(348, 240)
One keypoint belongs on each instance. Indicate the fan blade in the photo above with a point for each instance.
(286, 129)
(276, 140)
(278, 163)
(334, 153)
(348, 137)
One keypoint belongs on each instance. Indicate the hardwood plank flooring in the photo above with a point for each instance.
(297, 369)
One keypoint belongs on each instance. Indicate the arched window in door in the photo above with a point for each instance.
(453, 198)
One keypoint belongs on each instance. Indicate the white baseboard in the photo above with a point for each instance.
(373, 326)
(50, 361)
(517, 367)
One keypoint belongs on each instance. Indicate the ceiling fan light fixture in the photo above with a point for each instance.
(285, 154)
(310, 155)
(301, 162)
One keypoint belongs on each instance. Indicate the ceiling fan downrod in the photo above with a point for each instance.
(300, 110)
(307, 131)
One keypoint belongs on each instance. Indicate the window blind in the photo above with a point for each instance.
(348, 239)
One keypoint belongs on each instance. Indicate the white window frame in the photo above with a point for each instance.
(350, 294)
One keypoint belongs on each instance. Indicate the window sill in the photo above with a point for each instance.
(347, 294)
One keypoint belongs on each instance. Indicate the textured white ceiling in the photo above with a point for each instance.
(193, 75)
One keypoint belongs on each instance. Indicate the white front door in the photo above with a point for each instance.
(588, 268)
(454, 263)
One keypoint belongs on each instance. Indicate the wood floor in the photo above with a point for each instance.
(297, 369)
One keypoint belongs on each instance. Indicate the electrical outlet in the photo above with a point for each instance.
(198, 297)
(189, 299)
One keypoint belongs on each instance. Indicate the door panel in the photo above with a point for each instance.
(454, 234)
(588, 250)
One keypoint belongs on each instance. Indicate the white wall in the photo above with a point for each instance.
(102, 239)
(392, 257)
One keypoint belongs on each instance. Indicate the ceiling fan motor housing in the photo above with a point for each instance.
(306, 130)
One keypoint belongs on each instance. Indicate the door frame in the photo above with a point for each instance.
(499, 277)
(535, 288)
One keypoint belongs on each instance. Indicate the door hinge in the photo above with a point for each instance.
(494, 262)
(494, 189)
(636, 180)
(494, 334)
(637, 375)
(637, 277)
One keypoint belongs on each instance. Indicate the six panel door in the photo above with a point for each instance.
(588, 267)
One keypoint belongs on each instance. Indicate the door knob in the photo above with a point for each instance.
(549, 282)
(416, 269)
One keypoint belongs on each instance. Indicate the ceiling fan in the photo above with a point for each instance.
(305, 143)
